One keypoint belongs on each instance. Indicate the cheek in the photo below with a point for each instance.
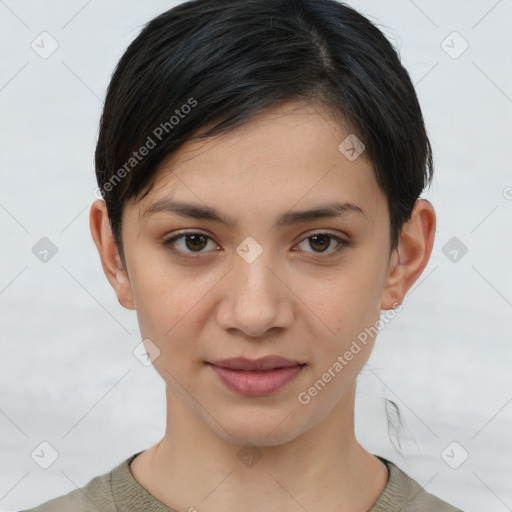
(166, 298)
(347, 302)
(164, 312)
(349, 307)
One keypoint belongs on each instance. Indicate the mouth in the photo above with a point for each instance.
(262, 364)
(258, 377)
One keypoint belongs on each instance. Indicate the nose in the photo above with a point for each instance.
(255, 300)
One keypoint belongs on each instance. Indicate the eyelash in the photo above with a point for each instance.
(170, 243)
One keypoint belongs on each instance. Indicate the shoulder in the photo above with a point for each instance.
(96, 495)
(405, 494)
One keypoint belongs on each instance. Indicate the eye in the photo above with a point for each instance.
(320, 243)
(189, 243)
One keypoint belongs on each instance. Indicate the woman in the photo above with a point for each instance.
(260, 164)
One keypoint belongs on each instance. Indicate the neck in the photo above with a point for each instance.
(193, 467)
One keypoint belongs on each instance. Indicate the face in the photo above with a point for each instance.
(242, 271)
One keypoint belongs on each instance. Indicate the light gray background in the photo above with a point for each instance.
(67, 372)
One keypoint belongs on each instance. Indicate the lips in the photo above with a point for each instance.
(265, 363)
(258, 377)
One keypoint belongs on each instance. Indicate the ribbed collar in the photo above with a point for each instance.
(129, 495)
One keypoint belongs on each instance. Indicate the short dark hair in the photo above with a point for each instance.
(220, 62)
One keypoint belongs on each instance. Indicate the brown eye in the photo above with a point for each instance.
(189, 243)
(321, 242)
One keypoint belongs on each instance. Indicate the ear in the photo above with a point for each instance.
(408, 261)
(107, 248)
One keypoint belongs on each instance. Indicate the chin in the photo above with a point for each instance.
(258, 431)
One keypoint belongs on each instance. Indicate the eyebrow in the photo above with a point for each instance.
(196, 211)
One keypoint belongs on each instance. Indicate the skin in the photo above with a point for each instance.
(299, 300)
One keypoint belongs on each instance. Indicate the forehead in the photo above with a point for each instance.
(284, 157)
